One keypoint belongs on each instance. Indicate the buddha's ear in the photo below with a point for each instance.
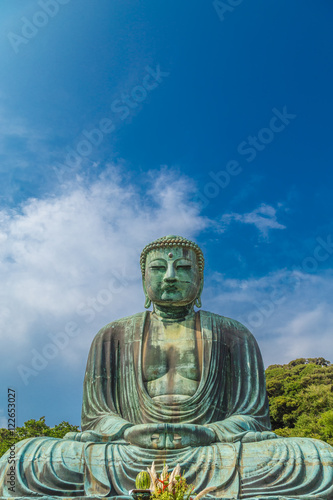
(148, 301)
(197, 301)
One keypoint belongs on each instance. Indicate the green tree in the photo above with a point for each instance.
(300, 397)
(33, 428)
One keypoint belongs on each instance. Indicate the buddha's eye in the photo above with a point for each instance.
(185, 267)
(157, 268)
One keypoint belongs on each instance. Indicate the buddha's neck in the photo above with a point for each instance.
(169, 313)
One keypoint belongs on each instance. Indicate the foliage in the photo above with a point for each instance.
(169, 485)
(33, 428)
(300, 397)
(172, 485)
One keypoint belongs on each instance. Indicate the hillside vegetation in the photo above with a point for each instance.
(301, 398)
(33, 428)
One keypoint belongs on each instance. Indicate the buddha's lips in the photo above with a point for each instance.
(170, 288)
(174, 287)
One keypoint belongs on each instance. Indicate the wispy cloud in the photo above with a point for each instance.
(24, 156)
(14, 128)
(264, 218)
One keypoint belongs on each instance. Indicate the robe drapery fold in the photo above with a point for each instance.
(230, 399)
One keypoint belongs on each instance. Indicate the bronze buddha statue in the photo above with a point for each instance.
(174, 385)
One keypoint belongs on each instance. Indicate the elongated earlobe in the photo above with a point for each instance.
(147, 303)
(197, 302)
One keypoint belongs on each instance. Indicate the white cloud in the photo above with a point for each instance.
(263, 218)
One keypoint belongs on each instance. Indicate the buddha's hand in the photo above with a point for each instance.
(169, 436)
(86, 437)
(252, 437)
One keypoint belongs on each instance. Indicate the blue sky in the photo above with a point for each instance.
(124, 121)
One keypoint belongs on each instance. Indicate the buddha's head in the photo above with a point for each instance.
(172, 272)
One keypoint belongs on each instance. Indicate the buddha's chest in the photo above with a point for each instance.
(171, 360)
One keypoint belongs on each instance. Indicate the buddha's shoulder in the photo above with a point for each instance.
(228, 325)
(121, 322)
(120, 325)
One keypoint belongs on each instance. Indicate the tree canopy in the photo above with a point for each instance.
(33, 428)
(300, 397)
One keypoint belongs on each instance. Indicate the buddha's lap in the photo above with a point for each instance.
(253, 456)
(270, 465)
(285, 451)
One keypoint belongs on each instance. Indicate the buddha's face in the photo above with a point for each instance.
(172, 276)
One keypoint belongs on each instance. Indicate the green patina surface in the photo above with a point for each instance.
(173, 385)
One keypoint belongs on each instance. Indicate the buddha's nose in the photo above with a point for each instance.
(170, 274)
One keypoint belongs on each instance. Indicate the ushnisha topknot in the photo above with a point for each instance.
(168, 241)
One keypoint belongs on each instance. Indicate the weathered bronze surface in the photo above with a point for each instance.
(178, 386)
